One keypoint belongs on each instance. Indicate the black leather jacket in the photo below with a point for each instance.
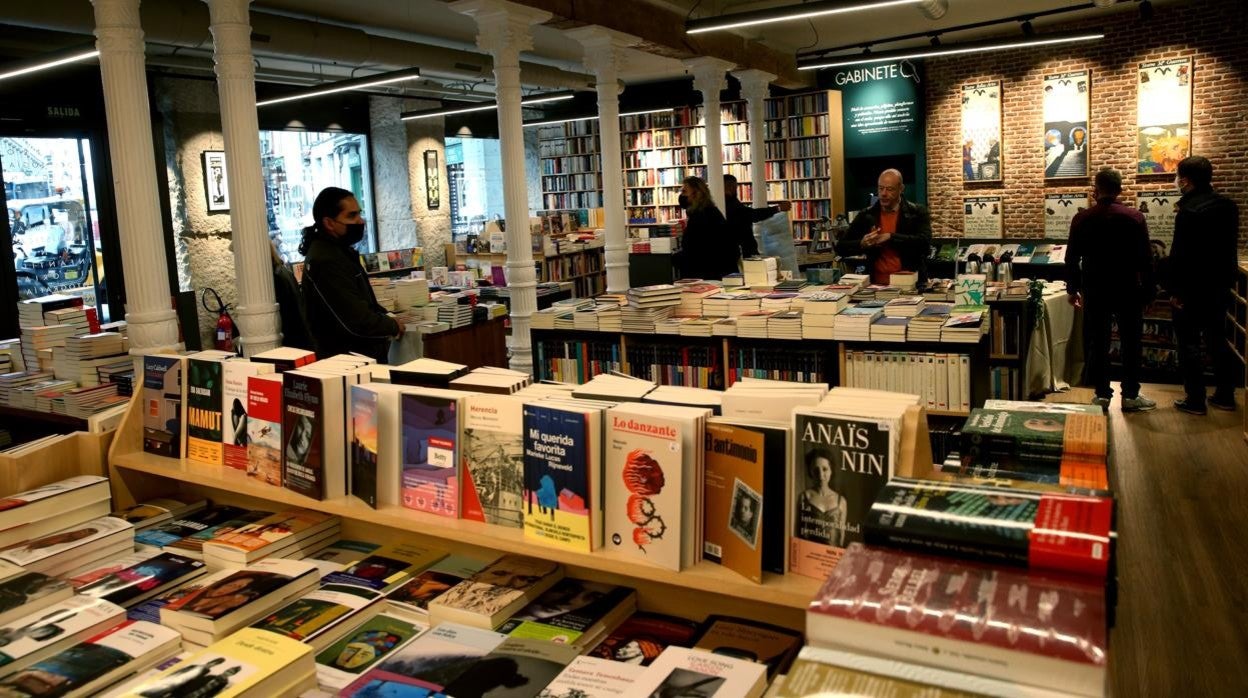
(343, 314)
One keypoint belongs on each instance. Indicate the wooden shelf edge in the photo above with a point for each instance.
(789, 591)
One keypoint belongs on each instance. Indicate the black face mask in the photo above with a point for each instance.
(355, 233)
(683, 201)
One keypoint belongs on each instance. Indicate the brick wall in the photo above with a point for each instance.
(1213, 32)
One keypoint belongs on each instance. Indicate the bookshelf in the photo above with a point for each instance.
(584, 267)
(575, 356)
(698, 591)
(1012, 321)
(571, 164)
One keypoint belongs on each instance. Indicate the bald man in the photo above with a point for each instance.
(893, 233)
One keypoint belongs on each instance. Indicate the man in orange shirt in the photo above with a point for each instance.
(893, 233)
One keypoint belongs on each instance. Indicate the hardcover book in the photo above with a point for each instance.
(430, 453)
(517, 668)
(745, 499)
(236, 378)
(431, 662)
(264, 428)
(493, 460)
(163, 391)
(1043, 531)
(572, 612)
(363, 647)
(964, 616)
(839, 465)
(643, 637)
(204, 423)
(558, 480)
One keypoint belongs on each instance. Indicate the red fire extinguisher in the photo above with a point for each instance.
(223, 338)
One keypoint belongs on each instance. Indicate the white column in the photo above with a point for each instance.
(602, 56)
(503, 32)
(709, 78)
(236, 83)
(151, 321)
(754, 84)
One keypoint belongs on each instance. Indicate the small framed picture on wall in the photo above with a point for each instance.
(981, 132)
(216, 182)
(433, 192)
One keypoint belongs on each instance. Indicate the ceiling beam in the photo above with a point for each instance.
(662, 32)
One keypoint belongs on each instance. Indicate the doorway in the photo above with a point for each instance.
(53, 221)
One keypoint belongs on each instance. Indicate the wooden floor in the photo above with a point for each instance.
(1182, 488)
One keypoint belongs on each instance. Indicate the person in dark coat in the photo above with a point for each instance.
(1200, 274)
(1109, 274)
(741, 218)
(289, 304)
(706, 249)
(893, 233)
(343, 314)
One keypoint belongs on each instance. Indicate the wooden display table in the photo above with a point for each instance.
(476, 345)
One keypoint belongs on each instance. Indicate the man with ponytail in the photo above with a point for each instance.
(343, 314)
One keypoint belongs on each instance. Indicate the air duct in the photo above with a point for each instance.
(185, 23)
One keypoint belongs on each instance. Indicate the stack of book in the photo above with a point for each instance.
(37, 343)
(792, 285)
(692, 297)
(669, 325)
(927, 325)
(10, 383)
(72, 547)
(39, 396)
(777, 301)
(785, 325)
(455, 314)
(1033, 445)
(889, 329)
(612, 387)
(742, 303)
(84, 354)
(96, 663)
(819, 315)
(157, 512)
(610, 317)
(544, 319)
(760, 271)
(566, 321)
(488, 379)
(833, 301)
(716, 305)
(411, 293)
(854, 323)
(724, 327)
(904, 306)
(753, 323)
(285, 534)
(43, 510)
(696, 327)
(248, 664)
(963, 326)
(86, 402)
(657, 296)
(633, 319)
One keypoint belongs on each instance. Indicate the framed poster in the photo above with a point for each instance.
(433, 191)
(1059, 210)
(1164, 114)
(981, 132)
(982, 217)
(1158, 208)
(216, 182)
(1066, 136)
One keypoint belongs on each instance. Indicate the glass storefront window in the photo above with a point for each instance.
(297, 165)
(474, 171)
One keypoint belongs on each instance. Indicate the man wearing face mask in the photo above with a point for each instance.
(1199, 278)
(893, 233)
(343, 314)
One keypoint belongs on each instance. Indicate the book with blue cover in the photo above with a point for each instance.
(557, 478)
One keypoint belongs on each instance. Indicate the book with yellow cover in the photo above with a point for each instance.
(251, 661)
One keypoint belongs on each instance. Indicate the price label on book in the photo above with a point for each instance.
(441, 453)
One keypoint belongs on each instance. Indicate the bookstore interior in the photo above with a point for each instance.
(506, 443)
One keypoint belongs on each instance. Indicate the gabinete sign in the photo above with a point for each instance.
(887, 71)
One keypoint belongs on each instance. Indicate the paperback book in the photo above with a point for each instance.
(430, 454)
(204, 424)
(74, 547)
(95, 663)
(235, 398)
(643, 497)
(363, 647)
(517, 668)
(745, 500)
(316, 615)
(415, 595)
(493, 460)
(135, 583)
(163, 391)
(388, 567)
(592, 677)
(430, 662)
(264, 428)
(193, 545)
(196, 522)
(643, 636)
(495, 593)
(737, 637)
(573, 612)
(28, 592)
(558, 484)
(682, 671)
(49, 630)
(313, 455)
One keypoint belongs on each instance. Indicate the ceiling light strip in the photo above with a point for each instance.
(527, 101)
(947, 50)
(786, 14)
(552, 122)
(344, 86)
(85, 55)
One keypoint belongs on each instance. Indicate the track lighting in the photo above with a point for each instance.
(808, 10)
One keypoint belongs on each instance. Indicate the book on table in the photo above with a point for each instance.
(321, 617)
(388, 567)
(766, 644)
(573, 612)
(95, 663)
(517, 668)
(155, 512)
(49, 630)
(268, 536)
(593, 677)
(496, 592)
(683, 671)
(641, 638)
(142, 580)
(52, 507)
(69, 549)
(430, 662)
(197, 521)
(414, 596)
(365, 645)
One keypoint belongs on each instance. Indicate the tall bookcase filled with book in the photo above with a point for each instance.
(571, 165)
(659, 150)
(1009, 336)
(814, 159)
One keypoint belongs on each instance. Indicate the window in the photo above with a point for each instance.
(297, 165)
(474, 170)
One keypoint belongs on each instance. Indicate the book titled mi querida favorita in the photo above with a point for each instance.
(557, 478)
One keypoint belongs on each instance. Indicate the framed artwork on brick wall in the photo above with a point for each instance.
(1066, 134)
(982, 217)
(1159, 213)
(981, 132)
(1059, 210)
(1164, 114)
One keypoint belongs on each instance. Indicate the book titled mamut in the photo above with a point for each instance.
(204, 389)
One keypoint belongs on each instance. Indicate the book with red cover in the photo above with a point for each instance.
(963, 616)
(1065, 533)
(643, 637)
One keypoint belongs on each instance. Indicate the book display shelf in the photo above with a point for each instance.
(700, 590)
(718, 362)
(584, 267)
(571, 165)
(1013, 321)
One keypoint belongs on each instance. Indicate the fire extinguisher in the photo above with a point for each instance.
(223, 338)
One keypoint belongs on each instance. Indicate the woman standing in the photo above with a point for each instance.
(707, 252)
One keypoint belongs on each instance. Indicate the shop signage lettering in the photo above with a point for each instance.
(902, 69)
